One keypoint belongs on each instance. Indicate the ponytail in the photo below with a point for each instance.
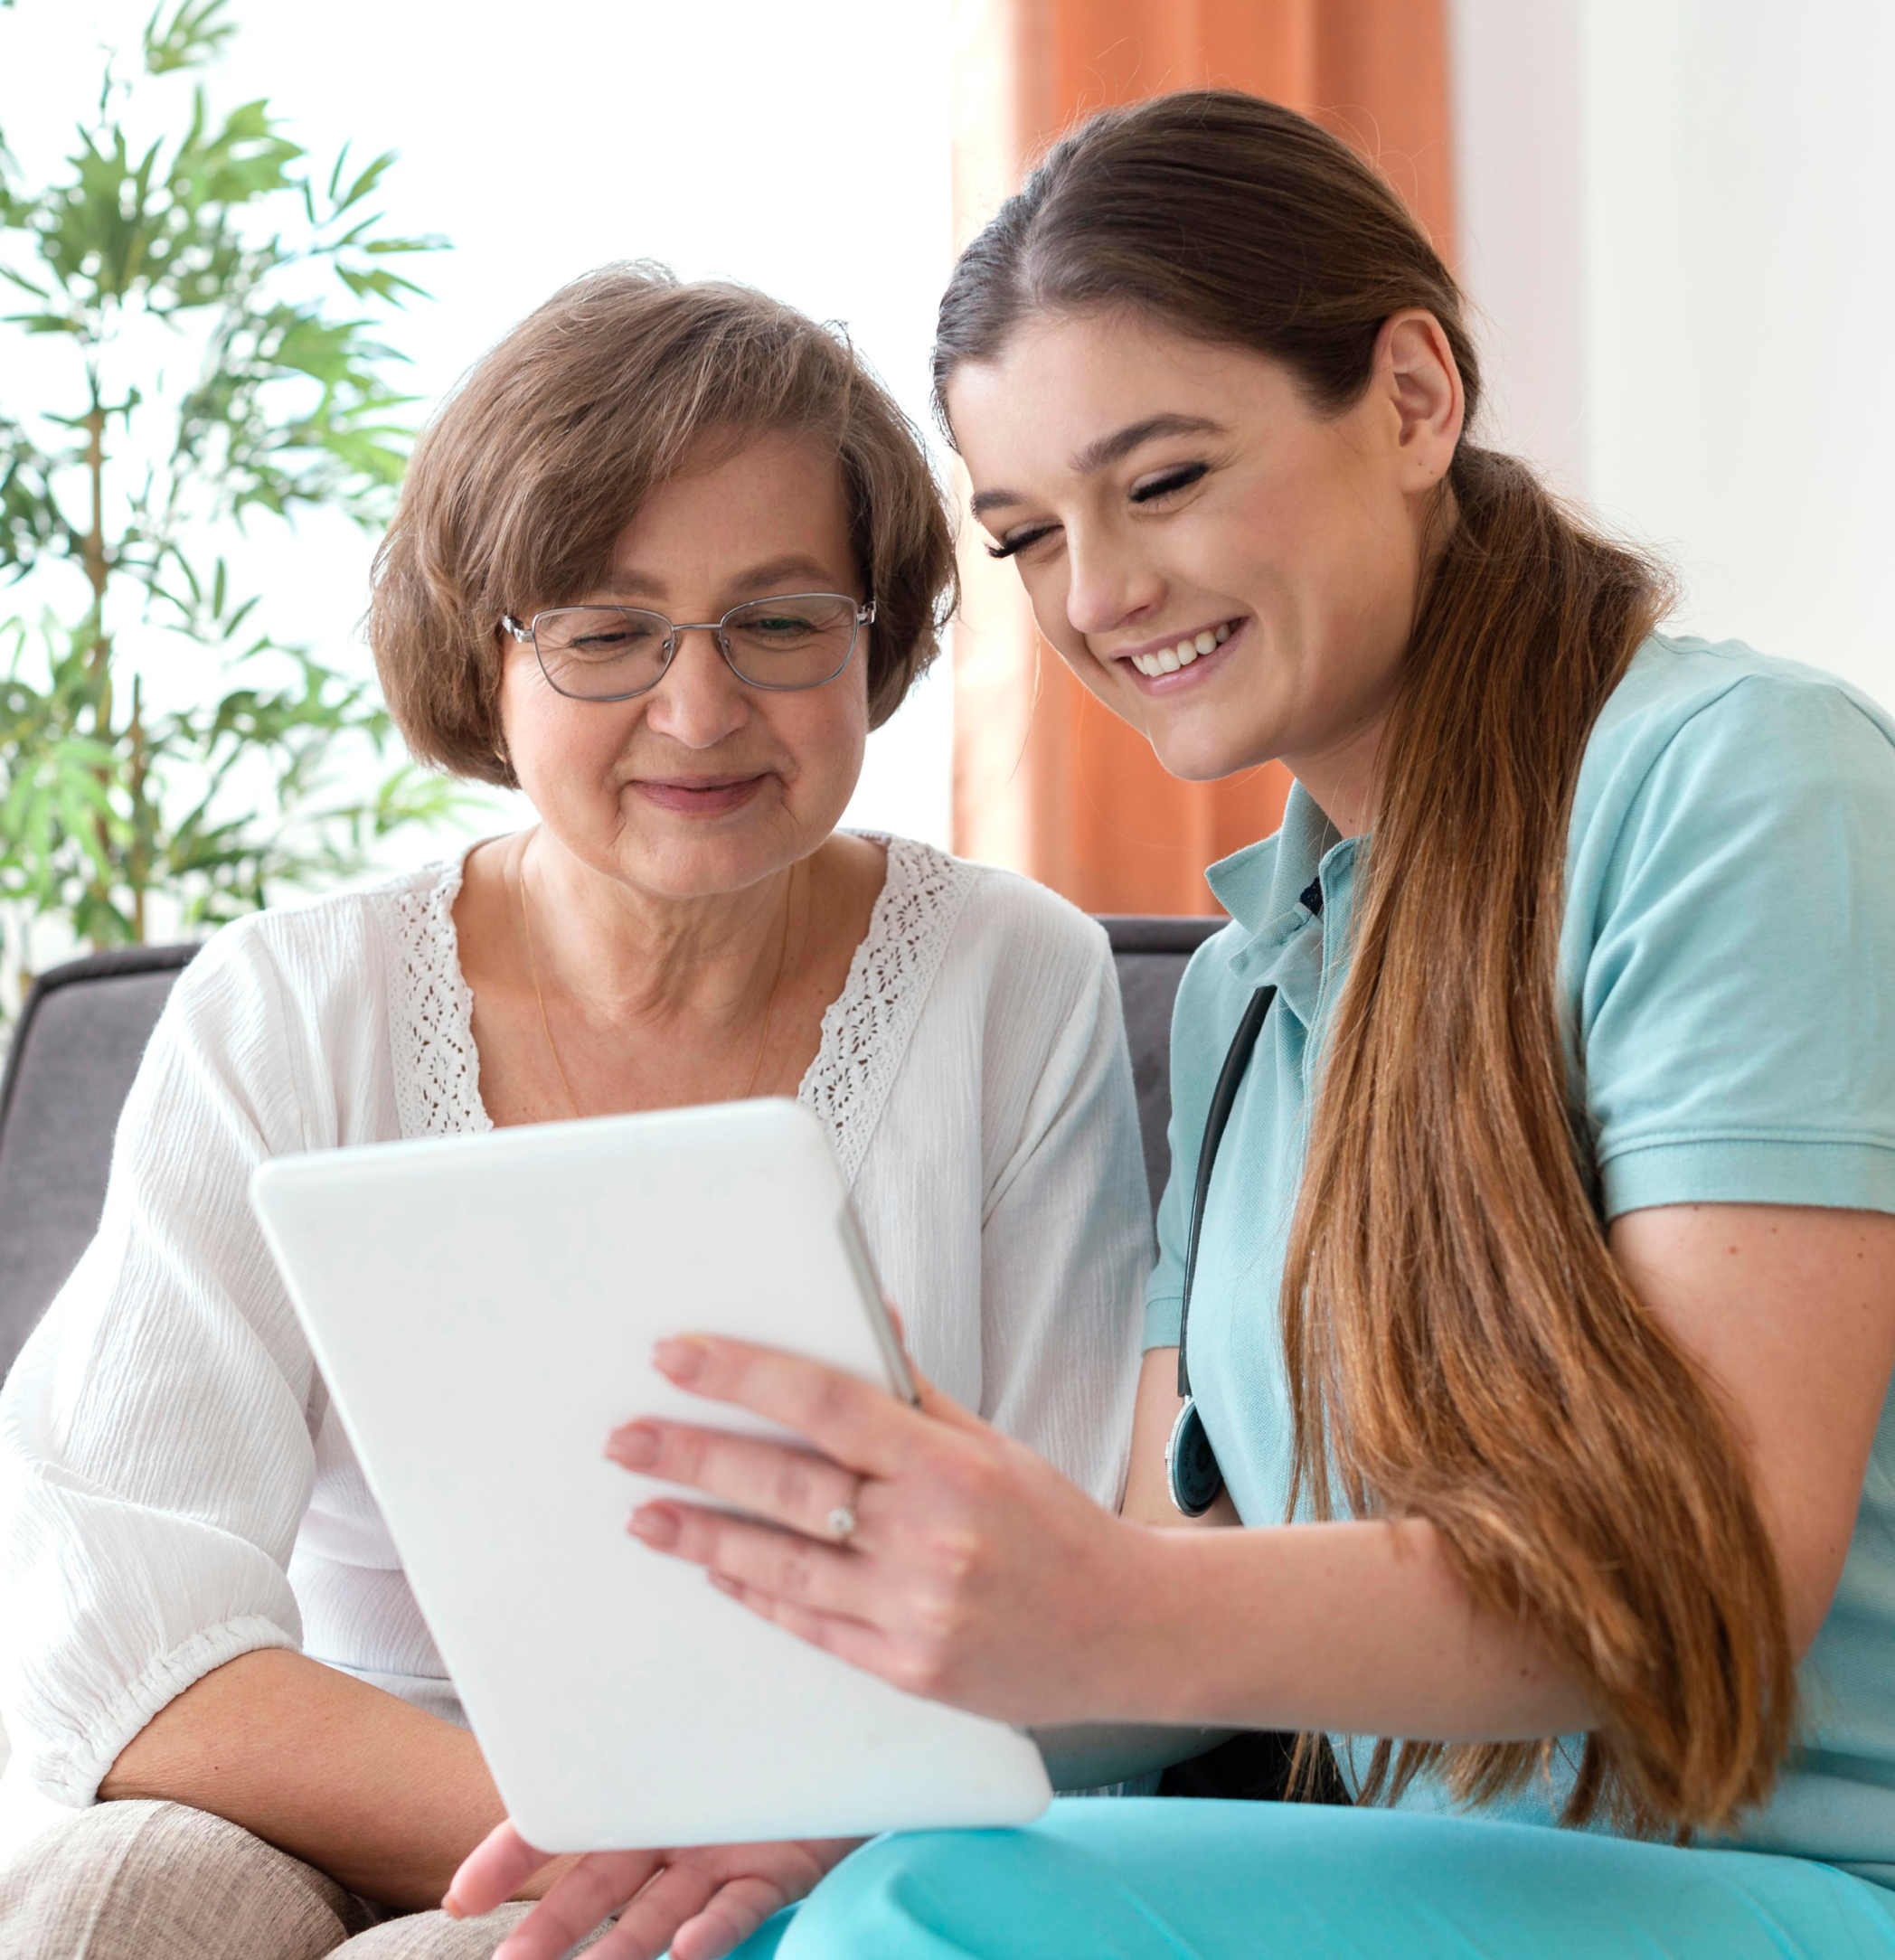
(1461, 1344)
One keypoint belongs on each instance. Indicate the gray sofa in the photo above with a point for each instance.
(85, 1026)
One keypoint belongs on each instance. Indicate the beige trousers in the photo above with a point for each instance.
(162, 1881)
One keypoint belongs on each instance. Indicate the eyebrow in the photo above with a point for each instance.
(1109, 449)
(774, 572)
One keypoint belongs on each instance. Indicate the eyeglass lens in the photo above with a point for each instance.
(605, 652)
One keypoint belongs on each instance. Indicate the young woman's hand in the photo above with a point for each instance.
(920, 1544)
(697, 1902)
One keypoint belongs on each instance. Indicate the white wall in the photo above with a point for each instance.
(1520, 199)
(1678, 216)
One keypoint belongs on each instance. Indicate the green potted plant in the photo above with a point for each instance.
(218, 309)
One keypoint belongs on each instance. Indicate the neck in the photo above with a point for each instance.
(1344, 778)
(624, 954)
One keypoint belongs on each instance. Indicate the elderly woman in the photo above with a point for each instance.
(662, 562)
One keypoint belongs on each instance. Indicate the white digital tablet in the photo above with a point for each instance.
(483, 1310)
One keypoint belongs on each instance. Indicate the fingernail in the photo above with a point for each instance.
(452, 1907)
(681, 1360)
(636, 1445)
(656, 1525)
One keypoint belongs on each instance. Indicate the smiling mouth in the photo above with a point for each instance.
(702, 794)
(1187, 648)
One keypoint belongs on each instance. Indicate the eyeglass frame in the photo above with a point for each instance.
(526, 635)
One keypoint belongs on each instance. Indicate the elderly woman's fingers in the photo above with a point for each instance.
(733, 1913)
(717, 1913)
(676, 1896)
(595, 1888)
(784, 1564)
(789, 1486)
(492, 1872)
(700, 1901)
(859, 1426)
(709, 1898)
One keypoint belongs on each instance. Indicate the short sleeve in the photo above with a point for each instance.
(1736, 1002)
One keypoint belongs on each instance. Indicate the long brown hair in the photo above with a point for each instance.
(1460, 1344)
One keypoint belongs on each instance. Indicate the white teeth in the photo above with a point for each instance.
(1171, 659)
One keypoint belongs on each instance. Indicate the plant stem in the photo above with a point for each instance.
(98, 573)
(98, 567)
(137, 870)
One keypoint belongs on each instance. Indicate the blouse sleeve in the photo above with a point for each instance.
(1735, 958)
(1066, 1233)
(156, 1434)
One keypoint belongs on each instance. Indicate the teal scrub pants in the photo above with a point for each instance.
(1140, 1878)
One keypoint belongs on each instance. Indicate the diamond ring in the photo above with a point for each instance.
(841, 1520)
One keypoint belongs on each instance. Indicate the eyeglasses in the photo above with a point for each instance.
(612, 653)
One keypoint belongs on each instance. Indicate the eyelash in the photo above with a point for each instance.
(1179, 479)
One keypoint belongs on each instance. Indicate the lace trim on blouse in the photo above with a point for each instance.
(865, 1032)
(870, 1023)
(431, 1006)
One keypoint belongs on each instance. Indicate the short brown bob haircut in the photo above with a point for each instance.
(522, 483)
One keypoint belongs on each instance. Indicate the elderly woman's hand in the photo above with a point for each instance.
(697, 1902)
(920, 1544)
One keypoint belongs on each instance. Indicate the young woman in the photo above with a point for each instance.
(1533, 1166)
(205, 1619)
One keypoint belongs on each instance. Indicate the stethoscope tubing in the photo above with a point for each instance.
(1191, 1463)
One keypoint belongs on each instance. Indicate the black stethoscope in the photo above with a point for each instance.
(1190, 1462)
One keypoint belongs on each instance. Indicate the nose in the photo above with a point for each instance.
(1109, 586)
(700, 702)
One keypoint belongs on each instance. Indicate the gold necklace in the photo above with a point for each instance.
(552, 1047)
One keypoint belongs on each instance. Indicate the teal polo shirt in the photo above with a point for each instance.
(1727, 966)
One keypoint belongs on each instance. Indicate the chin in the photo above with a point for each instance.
(699, 871)
(1208, 760)
(688, 860)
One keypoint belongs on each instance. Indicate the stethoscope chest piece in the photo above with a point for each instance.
(1191, 1463)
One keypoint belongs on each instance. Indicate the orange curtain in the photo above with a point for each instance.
(1046, 780)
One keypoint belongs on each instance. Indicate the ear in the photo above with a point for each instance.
(1416, 374)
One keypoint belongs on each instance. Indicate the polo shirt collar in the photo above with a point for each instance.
(1262, 888)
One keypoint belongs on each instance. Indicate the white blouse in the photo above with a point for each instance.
(174, 1489)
